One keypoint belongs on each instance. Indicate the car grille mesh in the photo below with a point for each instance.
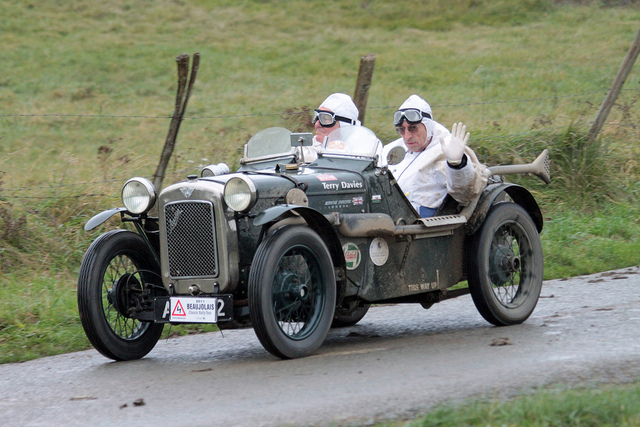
(191, 243)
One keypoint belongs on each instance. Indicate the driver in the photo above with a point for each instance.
(338, 110)
(436, 162)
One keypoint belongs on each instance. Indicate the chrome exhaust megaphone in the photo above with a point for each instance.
(540, 168)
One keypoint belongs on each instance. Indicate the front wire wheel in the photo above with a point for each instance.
(292, 292)
(114, 275)
(506, 266)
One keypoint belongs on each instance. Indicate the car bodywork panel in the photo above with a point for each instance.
(380, 248)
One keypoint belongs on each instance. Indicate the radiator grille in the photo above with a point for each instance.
(191, 239)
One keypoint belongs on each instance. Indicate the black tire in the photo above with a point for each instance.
(341, 319)
(115, 261)
(506, 266)
(292, 292)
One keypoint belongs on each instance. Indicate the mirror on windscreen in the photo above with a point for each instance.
(395, 155)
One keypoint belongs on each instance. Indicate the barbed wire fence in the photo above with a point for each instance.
(363, 84)
(22, 193)
(304, 111)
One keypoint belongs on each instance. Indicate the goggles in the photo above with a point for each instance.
(411, 115)
(328, 119)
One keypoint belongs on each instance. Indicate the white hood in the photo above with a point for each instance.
(342, 105)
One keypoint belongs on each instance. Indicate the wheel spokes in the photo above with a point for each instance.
(505, 270)
(296, 293)
(121, 267)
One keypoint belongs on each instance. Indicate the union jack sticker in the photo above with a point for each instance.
(326, 177)
(358, 201)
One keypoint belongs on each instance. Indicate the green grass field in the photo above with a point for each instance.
(87, 89)
(603, 406)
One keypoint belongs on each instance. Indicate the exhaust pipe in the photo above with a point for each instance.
(540, 168)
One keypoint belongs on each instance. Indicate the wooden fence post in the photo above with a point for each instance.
(363, 84)
(181, 105)
(623, 73)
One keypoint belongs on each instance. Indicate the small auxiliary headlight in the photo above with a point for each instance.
(138, 195)
(240, 194)
(214, 170)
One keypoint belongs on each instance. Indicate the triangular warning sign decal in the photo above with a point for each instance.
(178, 311)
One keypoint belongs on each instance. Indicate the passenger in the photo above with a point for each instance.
(436, 162)
(336, 111)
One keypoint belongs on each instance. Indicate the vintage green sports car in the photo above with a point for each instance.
(294, 248)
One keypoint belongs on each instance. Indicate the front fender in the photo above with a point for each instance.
(102, 217)
(273, 213)
(314, 219)
(518, 194)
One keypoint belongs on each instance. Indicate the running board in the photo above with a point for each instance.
(378, 224)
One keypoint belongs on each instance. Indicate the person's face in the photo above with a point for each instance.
(414, 136)
(321, 132)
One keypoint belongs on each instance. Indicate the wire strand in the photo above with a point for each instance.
(304, 111)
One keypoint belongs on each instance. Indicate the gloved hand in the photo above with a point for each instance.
(454, 150)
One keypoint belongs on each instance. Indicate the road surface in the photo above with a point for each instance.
(397, 363)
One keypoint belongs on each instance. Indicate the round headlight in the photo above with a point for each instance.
(240, 194)
(138, 195)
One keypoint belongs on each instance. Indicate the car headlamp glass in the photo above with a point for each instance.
(138, 195)
(240, 194)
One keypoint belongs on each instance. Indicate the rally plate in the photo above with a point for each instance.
(188, 309)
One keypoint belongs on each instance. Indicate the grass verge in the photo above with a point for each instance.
(603, 406)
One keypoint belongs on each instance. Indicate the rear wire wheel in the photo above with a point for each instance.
(343, 317)
(115, 272)
(506, 266)
(292, 292)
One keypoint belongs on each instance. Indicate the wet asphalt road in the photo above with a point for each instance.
(399, 361)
